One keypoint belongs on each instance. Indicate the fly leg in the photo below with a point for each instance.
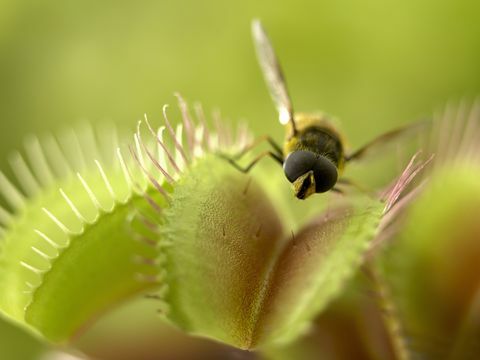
(259, 157)
(258, 141)
(275, 154)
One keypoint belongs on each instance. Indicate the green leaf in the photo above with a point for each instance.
(221, 235)
(235, 274)
(67, 252)
(314, 266)
(96, 271)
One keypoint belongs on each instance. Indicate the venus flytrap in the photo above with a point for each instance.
(66, 251)
(235, 273)
(75, 240)
(172, 218)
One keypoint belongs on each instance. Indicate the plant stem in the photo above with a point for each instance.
(389, 313)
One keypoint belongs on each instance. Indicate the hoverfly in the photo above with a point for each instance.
(313, 156)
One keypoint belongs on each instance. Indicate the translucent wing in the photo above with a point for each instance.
(273, 74)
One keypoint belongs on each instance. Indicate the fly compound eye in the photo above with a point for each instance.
(298, 163)
(325, 173)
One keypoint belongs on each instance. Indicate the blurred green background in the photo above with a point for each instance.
(374, 64)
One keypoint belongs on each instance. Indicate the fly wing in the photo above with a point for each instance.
(273, 74)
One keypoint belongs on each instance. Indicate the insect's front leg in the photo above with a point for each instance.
(275, 154)
(259, 157)
(277, 149)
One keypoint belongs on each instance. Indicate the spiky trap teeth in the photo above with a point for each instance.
(93, 224)
(78, 205)
(70, 191)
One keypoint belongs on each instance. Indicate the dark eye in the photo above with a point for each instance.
(325, 173)
(298, 163)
